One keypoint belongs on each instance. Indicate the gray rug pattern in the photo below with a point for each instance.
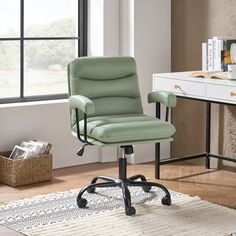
(58, 214)
(40, 210)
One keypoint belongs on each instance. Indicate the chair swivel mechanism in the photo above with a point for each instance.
(106, 110)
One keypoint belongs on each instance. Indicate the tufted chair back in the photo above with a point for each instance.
(110, 82)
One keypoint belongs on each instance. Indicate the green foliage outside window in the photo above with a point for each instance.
(41, 54)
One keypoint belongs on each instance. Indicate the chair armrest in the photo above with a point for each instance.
(164, 97)
(82, 103)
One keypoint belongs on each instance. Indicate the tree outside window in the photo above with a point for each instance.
(39, 54)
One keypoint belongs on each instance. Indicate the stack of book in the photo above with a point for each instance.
(218, 53)
(30, 149)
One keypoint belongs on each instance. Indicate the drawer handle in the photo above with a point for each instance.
(177, 87)
(232, 94)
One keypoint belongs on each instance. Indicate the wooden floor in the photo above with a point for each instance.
(216, 186)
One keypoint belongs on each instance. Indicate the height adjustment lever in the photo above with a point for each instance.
(81, 150)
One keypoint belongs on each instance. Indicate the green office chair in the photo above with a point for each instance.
(106, 110)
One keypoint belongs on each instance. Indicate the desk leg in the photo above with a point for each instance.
(157, 146)
(208, 134)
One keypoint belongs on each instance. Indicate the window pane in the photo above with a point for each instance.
(45, 65)
(51, 18)
(9, 69)
(9, 18)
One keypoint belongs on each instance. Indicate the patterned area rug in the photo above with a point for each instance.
(58, 214)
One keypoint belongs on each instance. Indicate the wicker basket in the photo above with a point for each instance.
(25, 171)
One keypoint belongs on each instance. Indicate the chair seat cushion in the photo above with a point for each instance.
(128, 127)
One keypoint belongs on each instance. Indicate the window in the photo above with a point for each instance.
(37, 41)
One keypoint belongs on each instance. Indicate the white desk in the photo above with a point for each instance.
(223, 91)
(206, 90)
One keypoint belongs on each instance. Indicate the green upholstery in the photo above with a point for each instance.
(84, 104)
(128, 127)
(106, 89)
(111, 83)
(164, 97)
(123, 143)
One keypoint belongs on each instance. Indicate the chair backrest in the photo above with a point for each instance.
(110, 82)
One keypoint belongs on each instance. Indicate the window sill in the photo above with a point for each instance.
(33, 103)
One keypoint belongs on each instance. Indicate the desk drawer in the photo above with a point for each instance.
(180, 86)
(222, 93)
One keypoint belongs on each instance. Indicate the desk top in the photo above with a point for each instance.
(217, 90)
(185, 76)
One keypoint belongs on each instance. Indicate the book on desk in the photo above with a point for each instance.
(209, 74)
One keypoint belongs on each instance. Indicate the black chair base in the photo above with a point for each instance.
(123, 183)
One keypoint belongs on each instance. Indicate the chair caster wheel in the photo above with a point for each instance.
(129, 211)
(166, 201)
(91, 190)
(81, 202)
(146, 189)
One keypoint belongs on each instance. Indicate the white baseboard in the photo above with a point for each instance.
(107, 154)
(142, 153)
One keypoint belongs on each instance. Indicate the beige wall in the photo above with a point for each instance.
(193, 22)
